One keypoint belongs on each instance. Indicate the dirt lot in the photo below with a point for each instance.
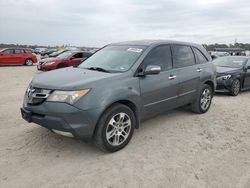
(179, 149)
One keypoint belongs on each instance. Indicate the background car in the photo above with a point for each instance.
(48, 52)
(57, 53)
(17, 56)
(66, 59)
(39, 50)
(233, 74)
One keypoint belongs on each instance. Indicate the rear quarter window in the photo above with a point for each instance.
(200, 57)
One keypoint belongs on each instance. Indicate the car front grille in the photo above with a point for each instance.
(36, 96)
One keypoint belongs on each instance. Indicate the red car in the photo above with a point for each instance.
(17, 56)
(66, 59)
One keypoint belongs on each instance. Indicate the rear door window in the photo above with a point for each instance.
(161, 56)
(182, 56)
(8, 52)
(19, 51)
(199, 56)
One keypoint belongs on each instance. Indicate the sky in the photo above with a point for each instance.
(96, 23)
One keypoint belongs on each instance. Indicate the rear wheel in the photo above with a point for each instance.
(29, 62)
(115, 128)
(235, 88)
(203, 101)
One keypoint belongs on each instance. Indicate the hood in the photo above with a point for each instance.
(69, 78)
(227, 70)
(51, 59)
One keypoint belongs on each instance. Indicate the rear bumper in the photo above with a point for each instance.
(62, 117)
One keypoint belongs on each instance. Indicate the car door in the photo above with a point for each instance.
(76, 59)
(19, 56)
(188, 72)
(158, 92)
(8, 57)
(247, 75)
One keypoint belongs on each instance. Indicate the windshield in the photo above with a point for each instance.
(65, 55)
(232, 62)
(113, 58)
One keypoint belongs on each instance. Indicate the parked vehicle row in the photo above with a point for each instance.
(107, 96)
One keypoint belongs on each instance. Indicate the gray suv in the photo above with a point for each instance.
(107, 96)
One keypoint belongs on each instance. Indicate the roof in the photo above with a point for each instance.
(151, 42)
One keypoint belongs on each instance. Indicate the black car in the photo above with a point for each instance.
(57, 53)
(233, 74)
(48, 52)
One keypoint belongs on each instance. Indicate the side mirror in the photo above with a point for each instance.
(152, 69)
(1, 53)
(248, 67)
(72, 58)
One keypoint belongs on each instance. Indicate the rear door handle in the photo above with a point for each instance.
(171, 77)
(199, 70)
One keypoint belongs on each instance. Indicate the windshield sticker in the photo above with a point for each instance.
(137, 50)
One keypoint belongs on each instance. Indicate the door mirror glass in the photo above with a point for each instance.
(152, 69)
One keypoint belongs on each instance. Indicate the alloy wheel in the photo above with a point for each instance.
(206, 97)
(118, 129)
(29, 62)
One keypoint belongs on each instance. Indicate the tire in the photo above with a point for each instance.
(235, 87)
(203, 101)
(61, 66)
(28, 62)
(117, 139)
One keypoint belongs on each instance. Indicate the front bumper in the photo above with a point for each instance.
(44, 68)
(62, 117)
(223, 85)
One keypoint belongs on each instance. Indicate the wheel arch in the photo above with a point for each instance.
(127, 103)
(211, 84)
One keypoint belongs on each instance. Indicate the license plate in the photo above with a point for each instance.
(26, 115)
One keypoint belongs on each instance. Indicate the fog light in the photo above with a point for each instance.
(67, 134)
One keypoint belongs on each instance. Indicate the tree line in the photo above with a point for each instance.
(211, 47)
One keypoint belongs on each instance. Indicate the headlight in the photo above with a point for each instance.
(225, 77)
(67, 96)
(49, 63)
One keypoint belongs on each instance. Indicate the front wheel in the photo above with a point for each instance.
(29, 62)
(115, 128)
(235, 88)
(203, 101)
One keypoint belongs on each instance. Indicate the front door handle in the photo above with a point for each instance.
(199, 70)
(171, 77)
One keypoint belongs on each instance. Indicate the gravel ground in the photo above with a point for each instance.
(178, 149)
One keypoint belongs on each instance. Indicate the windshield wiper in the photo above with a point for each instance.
(97, 69)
